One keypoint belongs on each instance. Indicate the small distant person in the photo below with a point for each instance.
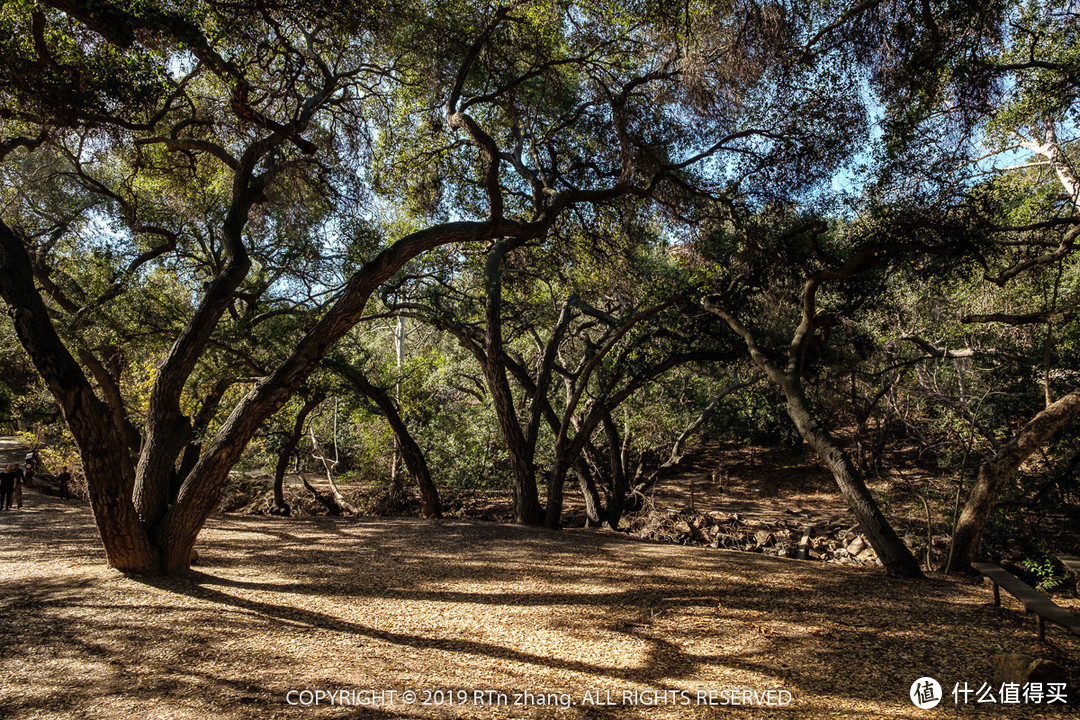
(63, 481)
(7, 487)
(20, 480)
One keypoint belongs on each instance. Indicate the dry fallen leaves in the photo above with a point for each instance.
(461, 608)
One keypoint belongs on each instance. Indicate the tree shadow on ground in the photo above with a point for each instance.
(279, 604)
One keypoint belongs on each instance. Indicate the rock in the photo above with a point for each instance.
(1022, 669)
(856, 546)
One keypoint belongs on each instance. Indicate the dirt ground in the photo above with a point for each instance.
(762, 484)
(473, 618)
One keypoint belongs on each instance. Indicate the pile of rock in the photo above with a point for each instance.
(799, 536)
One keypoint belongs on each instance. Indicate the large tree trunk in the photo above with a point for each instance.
(201, 489)
(110, 474)
(995, 472)
(167, 430)
(527, 510)
(132, 545)
(890, 549)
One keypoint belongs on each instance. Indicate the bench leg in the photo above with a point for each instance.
(997, 593)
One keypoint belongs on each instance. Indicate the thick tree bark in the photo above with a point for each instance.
(527, 508)
(173, 527)
(201, 489)
(410, 450)
(996, 472)
(109, 386)
(103, 447)
(167, 430)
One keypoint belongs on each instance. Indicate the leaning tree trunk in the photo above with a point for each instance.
(594, 508)
(995, 472)
(104, 448)
(201, 489)
(410, 450)
(891, 550)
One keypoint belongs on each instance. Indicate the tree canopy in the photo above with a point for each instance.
(211, 213)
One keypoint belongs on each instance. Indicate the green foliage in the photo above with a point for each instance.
(1045, 570)
(724, 123)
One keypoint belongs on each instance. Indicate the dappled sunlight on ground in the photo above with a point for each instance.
(279, 604)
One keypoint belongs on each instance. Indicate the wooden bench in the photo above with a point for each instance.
(1034, 601)
(1072, 566)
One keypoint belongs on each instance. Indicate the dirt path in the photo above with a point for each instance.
(402, 605)
(12, 450)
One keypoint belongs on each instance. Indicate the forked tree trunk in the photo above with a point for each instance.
(201, 489)
(996, 472)
(131, 544)
(594, 507)
(104, 448)
(890, 549)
